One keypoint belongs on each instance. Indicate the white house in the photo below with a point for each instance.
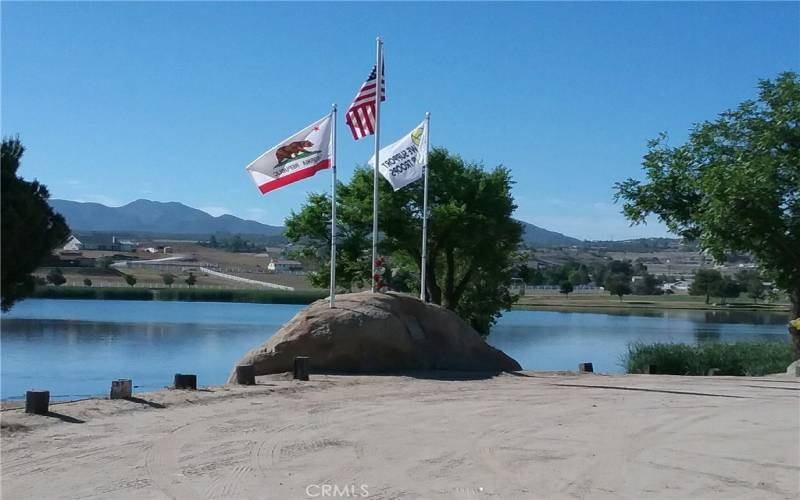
(72, 244)
(284, 266)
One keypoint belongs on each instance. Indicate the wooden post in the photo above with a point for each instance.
(121, 389)
(301, 368)
(37, 402)
(585, 368)
(713, 371)
(650, 369)
(183, 381)
(246, 375)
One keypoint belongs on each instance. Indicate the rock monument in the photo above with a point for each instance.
(377, 333)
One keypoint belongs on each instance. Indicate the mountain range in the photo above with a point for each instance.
(155, 217)
(173, 218)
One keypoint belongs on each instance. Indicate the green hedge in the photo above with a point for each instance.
(181, 294)
(752, 358)
(254, 296)
(77, 292)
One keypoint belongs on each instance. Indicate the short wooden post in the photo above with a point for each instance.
(184, 381)
(121, 389)
(585, 368)
(713, 371)
(246, 375)
(301, 368)
(650, 369)
(37, 402)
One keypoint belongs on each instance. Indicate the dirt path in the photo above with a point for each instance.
(541, 436)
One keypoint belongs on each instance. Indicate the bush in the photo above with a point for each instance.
(56, 277)
(186, 294)
(752, 358)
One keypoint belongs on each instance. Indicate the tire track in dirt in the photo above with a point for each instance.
(162, 465)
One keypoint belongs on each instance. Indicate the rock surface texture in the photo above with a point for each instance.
(377, 333)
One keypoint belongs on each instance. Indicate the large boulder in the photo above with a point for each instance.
(377, 333)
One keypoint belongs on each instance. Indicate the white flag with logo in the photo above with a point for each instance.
(404, 161)
(301, 155)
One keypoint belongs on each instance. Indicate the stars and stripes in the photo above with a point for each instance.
(360, 116)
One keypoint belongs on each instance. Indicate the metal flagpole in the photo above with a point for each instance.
(422, 291)
(378, 93)
(333, 210)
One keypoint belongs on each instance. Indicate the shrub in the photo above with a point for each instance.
(56, 277)
(753, 358)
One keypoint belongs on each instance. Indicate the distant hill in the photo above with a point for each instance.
(155, 217)
(173, 218)
(536, 236)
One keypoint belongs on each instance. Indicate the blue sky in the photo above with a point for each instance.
(170, 101)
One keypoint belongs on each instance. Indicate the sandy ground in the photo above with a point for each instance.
(511, 436)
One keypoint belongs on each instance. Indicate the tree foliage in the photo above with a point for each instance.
(706, 282)
(734, 186)
(168, 278)
(56, 277)
(618, 284)
(472, 238)
(30, 227)
(566, 288)
(130, 279)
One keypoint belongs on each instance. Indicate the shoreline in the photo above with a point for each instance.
(304, 297)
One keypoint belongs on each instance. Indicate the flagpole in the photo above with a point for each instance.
(378, 94)
(333, 210)
(422, 291)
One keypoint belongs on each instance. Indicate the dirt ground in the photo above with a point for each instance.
(436, 436)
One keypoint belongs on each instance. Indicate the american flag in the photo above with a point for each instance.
(360, 115)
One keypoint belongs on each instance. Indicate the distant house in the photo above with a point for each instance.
(106, 242)
(284, 266)
(73, 244)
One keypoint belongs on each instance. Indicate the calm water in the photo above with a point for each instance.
(75, 348)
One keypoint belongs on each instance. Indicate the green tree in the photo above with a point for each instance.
(130, 279)
(472, 238)
(579, 276)
(212, 242)
(525, 273)
(168, 279)
(87, 282)
(191, 280)
(56, 277)
(756, 290)
(647, 285)
(734, 185)
(566, 288)
(30, 227)
(727, 288)
(706, 282)
(618, 284)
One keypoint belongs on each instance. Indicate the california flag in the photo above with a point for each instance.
(301, 155)
(404, 161)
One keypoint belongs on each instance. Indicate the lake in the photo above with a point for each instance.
(74, 348)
